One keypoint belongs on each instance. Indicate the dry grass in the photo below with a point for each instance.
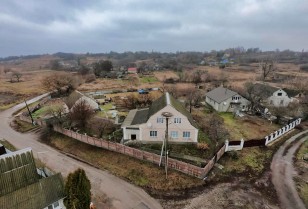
(141, 173)
(161, 75)
(22, 126)
(247, 127)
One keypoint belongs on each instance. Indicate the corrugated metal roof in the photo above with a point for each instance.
(140, 117)
(21, 186)
(136, 116)
(38, 195)
(220, 94)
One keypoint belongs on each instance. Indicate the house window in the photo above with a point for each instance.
(186, 134)
(160, 120)
(133, 136)
(153, 134)
(177, 120)
(279, 94)
(56, 204)
(231, 105)
(174, 134)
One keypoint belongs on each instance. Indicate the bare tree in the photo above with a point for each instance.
(300, 83)
(63, 83)
(267, 68)
(216, 130)
(57, 112)
(102, 126)
(6, 70)
(197, 77)
(17, 75)
(193, 97)
(81, 113)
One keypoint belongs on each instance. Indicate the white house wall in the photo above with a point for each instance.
(128, 132)
(279, 101)
(152, 125)
(225, 106)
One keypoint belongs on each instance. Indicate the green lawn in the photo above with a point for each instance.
(41, 112)
(106, 107)
(148, 79)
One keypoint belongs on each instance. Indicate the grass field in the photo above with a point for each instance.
(138, 172)
(247, 127)
(148, 79)
(22, 126)
(29, 86)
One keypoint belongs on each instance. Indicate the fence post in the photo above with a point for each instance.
(266, 140)
(242, 143)
(227, 145)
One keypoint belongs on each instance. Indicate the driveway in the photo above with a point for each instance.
(119, 193)
(282, 173)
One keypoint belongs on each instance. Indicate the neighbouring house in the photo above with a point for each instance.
(226, 100)
(148, 124)
(76, 97)
(273, 96)
(132, 70)
(23, 186)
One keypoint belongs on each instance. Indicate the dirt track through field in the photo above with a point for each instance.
(282, 173)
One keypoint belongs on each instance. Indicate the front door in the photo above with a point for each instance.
(133, 136)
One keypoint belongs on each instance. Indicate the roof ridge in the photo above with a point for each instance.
(168, 98)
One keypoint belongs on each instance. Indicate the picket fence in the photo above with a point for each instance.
(274, 136)
(238, 145)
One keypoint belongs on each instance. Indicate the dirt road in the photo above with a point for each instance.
(121, 195)
(282, 173)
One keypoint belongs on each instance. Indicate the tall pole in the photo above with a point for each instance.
(29, 112)
(166, 141)
(167, 115)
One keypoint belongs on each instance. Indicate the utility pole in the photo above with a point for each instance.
(29, 112)
(167, 115)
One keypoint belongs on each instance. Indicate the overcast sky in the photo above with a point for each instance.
(49, 26)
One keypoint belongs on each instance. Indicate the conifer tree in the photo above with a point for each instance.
(77, 188)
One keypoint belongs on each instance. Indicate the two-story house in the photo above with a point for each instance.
(149, 125)
(226, 100)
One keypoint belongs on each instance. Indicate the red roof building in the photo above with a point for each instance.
(132, 70)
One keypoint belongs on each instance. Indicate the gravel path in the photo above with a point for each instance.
(118, 193)
(283, 171)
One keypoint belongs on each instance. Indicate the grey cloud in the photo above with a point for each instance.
(34, 26)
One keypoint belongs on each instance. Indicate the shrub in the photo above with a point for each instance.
(304, 67)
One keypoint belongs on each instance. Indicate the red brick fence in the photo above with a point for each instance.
(143, 155)
(136, 153)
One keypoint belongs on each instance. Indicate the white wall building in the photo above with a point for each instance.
(148, 124)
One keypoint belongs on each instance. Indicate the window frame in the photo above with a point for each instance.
(153, 134)
(177, 120)
(186, 133)
(160, 120)
(174, 134)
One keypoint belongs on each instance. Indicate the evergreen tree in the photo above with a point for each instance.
(77, 188)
